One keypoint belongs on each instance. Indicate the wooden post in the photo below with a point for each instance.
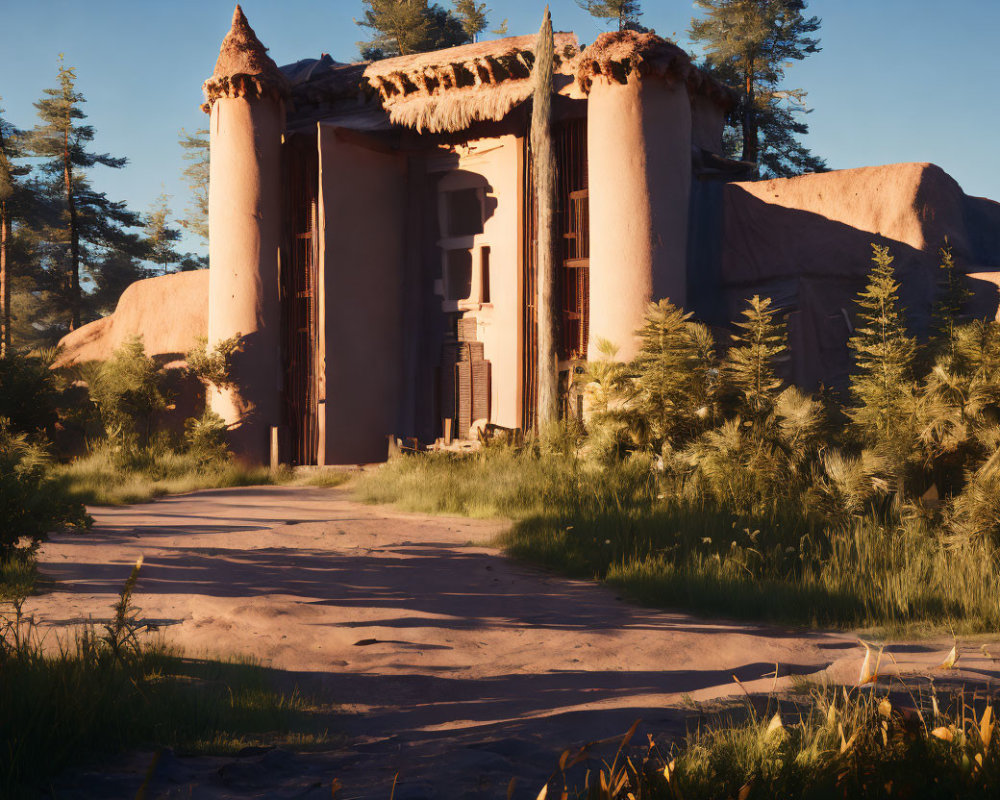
(543, 165)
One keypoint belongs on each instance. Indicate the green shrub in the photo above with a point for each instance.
(205, 436)
(105, 693)
(215, 366)
(126, 389)
(29, 396)
(32, 503)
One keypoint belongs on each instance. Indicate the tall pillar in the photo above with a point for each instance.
(245, 97)
(639, 156)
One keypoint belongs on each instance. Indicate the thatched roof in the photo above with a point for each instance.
(617, 55)
(243, 69)
(448, 90)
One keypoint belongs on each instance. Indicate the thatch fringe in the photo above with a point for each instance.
(458, 109)
(243, 69)
(618, 54)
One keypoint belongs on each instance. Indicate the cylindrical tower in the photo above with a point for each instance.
(639, 156)
(245, 97)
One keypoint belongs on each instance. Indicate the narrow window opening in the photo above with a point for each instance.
(459, 276)
(484, 257)
(464, 212)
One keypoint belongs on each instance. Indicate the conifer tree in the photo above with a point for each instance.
(882, 383)
(473, 16)
(11, 149)
(89, 217)
(624, 13)
(196, 175)
(543, 168)
(403, 27)
(949, 307)
(748, 44)
(675, 382)
(750, 361)
(161, 235)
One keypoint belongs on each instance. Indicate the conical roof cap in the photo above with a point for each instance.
(244, 69)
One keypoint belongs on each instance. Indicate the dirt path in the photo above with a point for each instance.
(480, 668)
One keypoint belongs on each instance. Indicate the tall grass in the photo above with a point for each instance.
(838, 744)
(102, 693)
(615, 524)
(98, 478)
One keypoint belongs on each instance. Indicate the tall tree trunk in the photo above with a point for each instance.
(543, 165)
(749, 122)
(74, 239)
(5, 336)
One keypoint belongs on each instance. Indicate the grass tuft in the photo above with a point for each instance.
(612, 523)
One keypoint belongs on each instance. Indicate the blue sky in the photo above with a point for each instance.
(897, 80)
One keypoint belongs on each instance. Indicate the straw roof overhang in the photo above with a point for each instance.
(615, 56)
(439, 92)
(448, 90)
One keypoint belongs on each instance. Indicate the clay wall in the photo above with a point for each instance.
(639, 151)
(491, 167)
(362, 225)
(245, 219)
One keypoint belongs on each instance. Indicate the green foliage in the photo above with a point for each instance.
(665, 397)
(197, 154)
(102, 477)
(100, 695)
(32, 503)
(715, 487)
(882, 384)
(126, 389)
(161, 235)
(949, 307)
(215, 366)
(748, 44)
(87, 225)
(29, 396)
(834, 743)
(750, 360)
(676, 378)
(624, 13)
(404, 27)
(205, 437)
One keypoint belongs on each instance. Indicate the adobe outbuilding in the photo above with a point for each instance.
(373, 235)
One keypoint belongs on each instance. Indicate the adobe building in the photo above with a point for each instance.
(373, 236)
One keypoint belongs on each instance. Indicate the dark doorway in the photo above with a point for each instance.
(299, 296)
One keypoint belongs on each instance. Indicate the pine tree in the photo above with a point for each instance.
(675, 383)
(750, 361)
(748, 44)
(882, 384)
(949, 307)
(473, 16)
(161, 235)
(625, 13)
(543, 168)
(403, 27)
(11, 149)
(196, 175)
(89, 217)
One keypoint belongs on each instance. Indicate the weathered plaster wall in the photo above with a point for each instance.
(639, 152)
(169, 312)
(245, 221)
(493, 165)
(362, 224)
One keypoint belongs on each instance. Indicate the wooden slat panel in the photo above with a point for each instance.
(299, 295)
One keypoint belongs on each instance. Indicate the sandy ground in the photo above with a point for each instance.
(481, 668)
